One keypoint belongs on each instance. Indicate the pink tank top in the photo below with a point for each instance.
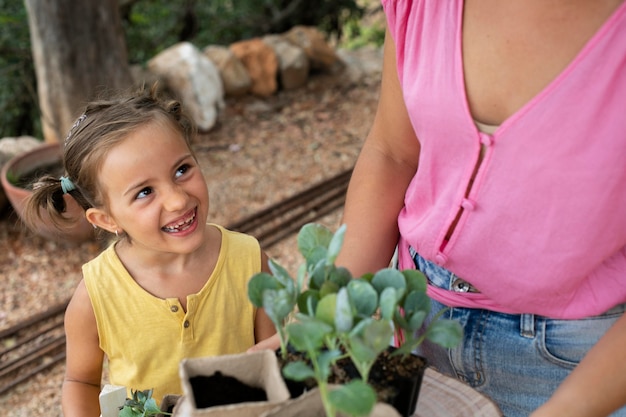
(543, 229)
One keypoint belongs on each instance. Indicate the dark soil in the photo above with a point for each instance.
(219, 389)
(395, 378)
(27, 180)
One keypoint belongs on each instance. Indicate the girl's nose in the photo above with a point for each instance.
(175, 199)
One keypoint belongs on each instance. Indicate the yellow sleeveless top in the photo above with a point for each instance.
(145, 337)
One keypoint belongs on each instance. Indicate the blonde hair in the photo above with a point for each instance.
(103, 124)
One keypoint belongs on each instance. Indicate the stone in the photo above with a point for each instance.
(194, 79)
(234, 75)
(292, 62)
(9, 147)
(261, 63)
(321, 55)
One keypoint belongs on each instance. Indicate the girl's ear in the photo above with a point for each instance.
(101, 219)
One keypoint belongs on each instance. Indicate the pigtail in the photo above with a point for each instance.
(45, 204)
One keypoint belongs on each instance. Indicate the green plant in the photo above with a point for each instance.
(141, 405)
(338, 316)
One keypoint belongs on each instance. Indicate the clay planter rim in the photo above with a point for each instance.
(25, 162)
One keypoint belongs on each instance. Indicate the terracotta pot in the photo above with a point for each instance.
(26, 162)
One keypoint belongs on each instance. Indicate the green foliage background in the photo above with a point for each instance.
(153, 25)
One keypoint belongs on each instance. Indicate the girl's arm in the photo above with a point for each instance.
(597, 387)
(83, 374)
(386, 165)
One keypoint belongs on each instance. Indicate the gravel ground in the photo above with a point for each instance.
(261, 152)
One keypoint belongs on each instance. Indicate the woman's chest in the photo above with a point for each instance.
(513, 50)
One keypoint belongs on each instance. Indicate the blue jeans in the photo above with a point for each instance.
(516, 360)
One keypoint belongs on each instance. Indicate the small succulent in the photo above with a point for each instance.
(141, 405)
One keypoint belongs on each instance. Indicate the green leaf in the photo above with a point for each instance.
(416, 321)
(415, 280)
(259, 283)
(313, 241)
(151, 406)
(334, 246)
(278, 304)
(307, 302)
(388, 302)
(339, 275)
(416, 301)
(369, 338)
(355, 398)
(281, 275)
(363, 297)
(446, 333)
(298, 371)
(127, 412)
(318, 275)
(326, 309)
(327, 288)
(389, 277)
(325, 360)
(343, 312)
(308, 335)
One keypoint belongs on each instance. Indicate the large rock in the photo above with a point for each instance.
(261, 63)
(292, 60)
(234, 75)
(194, 79)
(321, 55)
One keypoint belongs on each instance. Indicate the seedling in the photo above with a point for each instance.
(329, 315)
(141, 405)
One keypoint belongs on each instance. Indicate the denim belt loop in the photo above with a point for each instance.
(527, 325)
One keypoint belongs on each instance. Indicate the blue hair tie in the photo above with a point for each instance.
(67, 185)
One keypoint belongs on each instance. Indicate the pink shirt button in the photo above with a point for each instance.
(486, 139)
(440, 259)
(468, 204)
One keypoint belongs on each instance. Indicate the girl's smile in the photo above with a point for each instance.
(183, 226)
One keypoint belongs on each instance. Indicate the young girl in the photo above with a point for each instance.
(171, 286)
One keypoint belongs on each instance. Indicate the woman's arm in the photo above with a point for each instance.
(385, 166)
(84, 357)
(597, 387)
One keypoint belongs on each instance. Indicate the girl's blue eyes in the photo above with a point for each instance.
(180, 171)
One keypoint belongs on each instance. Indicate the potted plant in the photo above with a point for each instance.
(16, 178)
(141, 405)
(345, 323)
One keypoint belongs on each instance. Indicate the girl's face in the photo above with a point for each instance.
(155, 190)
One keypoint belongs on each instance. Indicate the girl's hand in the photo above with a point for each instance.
(271, 343)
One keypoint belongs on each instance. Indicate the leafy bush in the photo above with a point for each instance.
(151, 26)
(19, 113)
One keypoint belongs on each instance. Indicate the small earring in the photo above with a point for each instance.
(94, 226)
(116, 234)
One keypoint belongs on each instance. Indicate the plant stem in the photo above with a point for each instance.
(328, 407)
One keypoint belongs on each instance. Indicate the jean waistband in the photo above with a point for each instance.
(444, 279)
(440, 277)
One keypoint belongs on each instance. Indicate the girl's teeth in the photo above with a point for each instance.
(179, 226)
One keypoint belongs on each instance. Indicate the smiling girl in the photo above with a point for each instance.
(171, 286)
